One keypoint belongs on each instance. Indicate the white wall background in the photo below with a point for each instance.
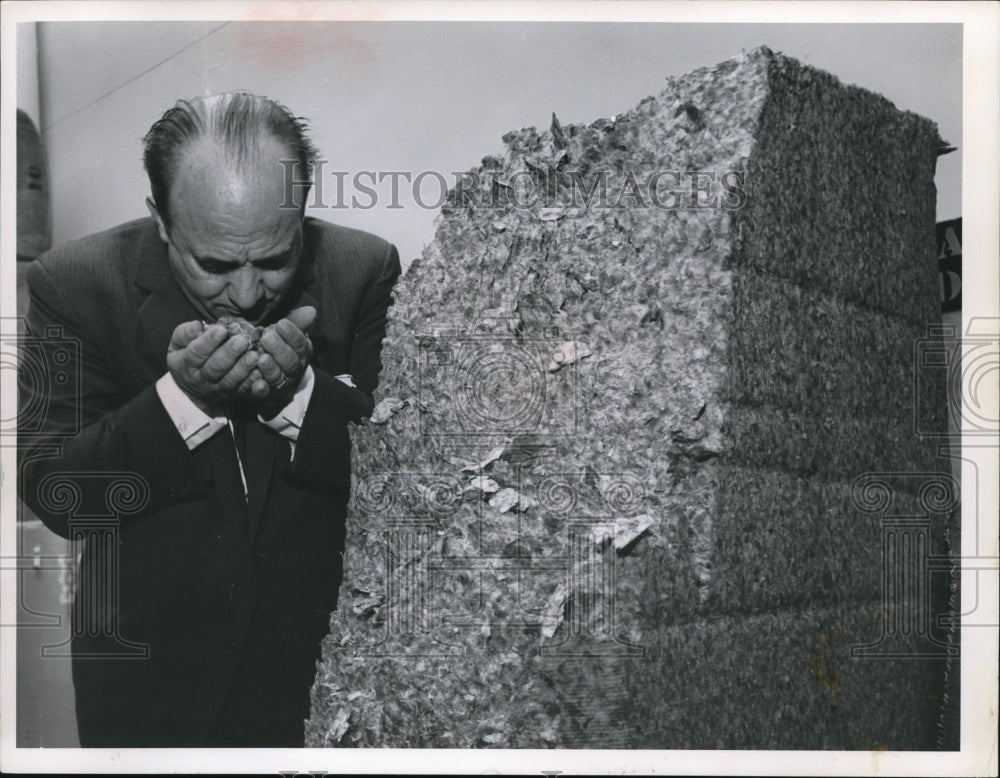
(421, 96)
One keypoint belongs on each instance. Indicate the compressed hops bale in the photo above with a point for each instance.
(613, 414)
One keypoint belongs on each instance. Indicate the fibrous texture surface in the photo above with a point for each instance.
(640, 401)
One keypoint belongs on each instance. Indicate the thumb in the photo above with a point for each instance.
(304, 318)
(185, 333)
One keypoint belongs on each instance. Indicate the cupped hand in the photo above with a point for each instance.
(207, 365)
(284, 353)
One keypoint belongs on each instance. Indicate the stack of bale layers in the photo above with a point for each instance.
(608, 497)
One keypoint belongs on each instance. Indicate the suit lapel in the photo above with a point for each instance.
(160, 314)
(319, 340)
(329, 318)
(165, 306)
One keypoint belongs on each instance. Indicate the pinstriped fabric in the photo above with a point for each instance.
(198, 567)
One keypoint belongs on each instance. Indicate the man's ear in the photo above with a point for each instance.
(157, 218)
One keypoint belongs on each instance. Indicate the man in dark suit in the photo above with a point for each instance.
(224, 465)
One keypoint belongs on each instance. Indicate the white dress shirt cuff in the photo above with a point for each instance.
(192, 423)
(289, 420)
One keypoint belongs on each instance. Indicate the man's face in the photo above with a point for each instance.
(232, 249)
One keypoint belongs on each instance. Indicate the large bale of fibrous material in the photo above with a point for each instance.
(609, 497)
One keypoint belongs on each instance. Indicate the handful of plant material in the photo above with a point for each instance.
(236, 326)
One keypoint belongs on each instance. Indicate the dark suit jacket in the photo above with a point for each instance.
(210, 586)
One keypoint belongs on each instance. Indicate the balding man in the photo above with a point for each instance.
(226, 566)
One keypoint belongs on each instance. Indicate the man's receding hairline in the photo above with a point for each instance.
(207, 143)
(246, 139)
(237, 127)
(248, 178)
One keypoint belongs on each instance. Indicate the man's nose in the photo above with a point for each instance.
(245, 291)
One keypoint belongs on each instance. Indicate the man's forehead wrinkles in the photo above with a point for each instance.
(221, 221)
(233, 251)
(221, 236)
(210, 258)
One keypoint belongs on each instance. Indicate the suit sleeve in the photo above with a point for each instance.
(366, 350)
(77, 435)
(333, 403)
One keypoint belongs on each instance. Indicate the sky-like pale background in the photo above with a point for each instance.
(419, 96)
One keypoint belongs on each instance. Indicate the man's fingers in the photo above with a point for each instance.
(287, 345)
(206, 344)
(254, 378)
(185, 333)
(227, 364)
(294, 337)
(241, 374)
(244, 387)
(260, 389)
(223, 359)
(269, 370)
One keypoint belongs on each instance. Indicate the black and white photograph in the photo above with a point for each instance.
(557, 387)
